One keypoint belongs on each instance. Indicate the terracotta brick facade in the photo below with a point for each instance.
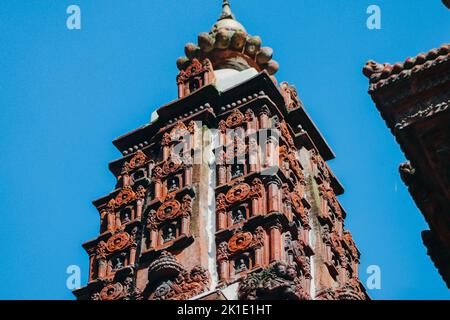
(226, 193)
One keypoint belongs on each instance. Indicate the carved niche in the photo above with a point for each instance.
(279, 281)
(125, 207)
(197, 75)
(169, 280)
(169, 222)
(242, 199)
(117, 252)
(241, 253)
(138, 160)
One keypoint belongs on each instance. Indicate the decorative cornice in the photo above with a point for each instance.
(382, 75)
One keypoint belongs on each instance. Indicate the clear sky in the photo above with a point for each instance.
(64, 95)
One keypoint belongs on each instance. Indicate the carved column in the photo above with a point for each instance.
(139, 206)
(152, 226)
(254, 155)
(274, 194)
(91, 265)
(102, 268)
(188, 176)
(118, 221)
(186, 207)
(264, 118)
(275, 242)
(158, 189)
(259, 246)
(101, 258)
(221, 209)
(166, 147)
(223, 262)
(257, 197)
(111, 219)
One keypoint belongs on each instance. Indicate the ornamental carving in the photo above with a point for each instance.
(175, 282)
(140, 193)
(351, 244)
(179, 133)
(119, 291)
(171, 166)
(249, 115)
(282, 126)
(257, 188)
(186, 206)
(258, 237)
(222, 126)
(221, 203)
(294, 165)
(168, 210)
(240, 241)
(278, 281)
(222, 251)
(138, 160)
(125, 168)
(101, 250)
(351, 291)
(238, 193)
(329, 196)
(321, 166)
(157, 173)
(118, 242)
(125, 196)
(195, 68)
(166, 139)
(235, 119)
(297, 204)
(112, 292)
(165, 264)
(185, 286)
(326, 294)
(236, 149)
(290, 96)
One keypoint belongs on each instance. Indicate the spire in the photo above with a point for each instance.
(228, 46)
(226, 11)
(227, 20)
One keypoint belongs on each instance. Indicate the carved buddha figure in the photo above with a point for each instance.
(126, 216)
(241, 265)
(237, 170)
(169, 233)
(238, 215)
(173, 184)
(118, 263)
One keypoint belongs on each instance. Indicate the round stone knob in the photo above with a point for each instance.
(264, 55)
(222, 39)
(253, 45)
(191, 50)
(206, 42)
(238, 40)
(181, 62)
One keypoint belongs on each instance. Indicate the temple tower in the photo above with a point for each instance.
(413, 97)
(226, 193)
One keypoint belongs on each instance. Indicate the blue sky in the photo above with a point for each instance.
(64, 95)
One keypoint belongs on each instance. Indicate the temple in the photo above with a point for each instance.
(413, 98)
(226, 193)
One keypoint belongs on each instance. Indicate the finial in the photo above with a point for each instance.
(226, 11)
